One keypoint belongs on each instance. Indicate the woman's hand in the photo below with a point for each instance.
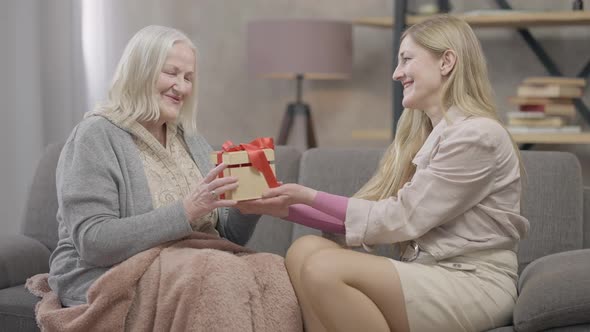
(276, 201)
(292, 193)
(205, 197)
(274, 206)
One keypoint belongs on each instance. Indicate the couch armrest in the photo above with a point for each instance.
(20, 258)
(554, 291)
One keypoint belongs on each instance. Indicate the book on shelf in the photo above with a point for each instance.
(547, 121)
(549, 106)
(544, 130)
(540, 101)
(549, 91)
(567, 110)
(525, 115)
(543, 80)
(486, 12)
(545, 105)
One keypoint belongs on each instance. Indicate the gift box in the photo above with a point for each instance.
(252, 163)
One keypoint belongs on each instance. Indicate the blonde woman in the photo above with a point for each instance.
(448, 189)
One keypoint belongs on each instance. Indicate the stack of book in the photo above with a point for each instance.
(546, 105)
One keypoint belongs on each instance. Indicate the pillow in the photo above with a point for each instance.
(554, 291)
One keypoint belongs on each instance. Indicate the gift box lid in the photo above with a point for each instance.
(240, 157)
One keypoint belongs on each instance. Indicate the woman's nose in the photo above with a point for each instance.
(182, 86)
(397, 74)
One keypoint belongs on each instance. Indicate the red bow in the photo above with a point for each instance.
(256, 156)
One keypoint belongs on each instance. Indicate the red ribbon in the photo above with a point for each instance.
(256, 156)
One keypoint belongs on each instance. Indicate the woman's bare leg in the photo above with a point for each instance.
(352, 291)
(297, 254)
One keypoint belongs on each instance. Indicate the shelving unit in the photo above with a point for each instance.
(581, 138)
(520, 20)
(549, 138)
(516, 19)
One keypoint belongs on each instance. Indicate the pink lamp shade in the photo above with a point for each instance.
(285, 48)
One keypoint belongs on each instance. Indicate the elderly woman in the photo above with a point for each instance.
(132, 178)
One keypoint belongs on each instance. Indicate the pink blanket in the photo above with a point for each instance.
(200, 283)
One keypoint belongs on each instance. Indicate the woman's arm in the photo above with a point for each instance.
(325, 211)
(459, 176)
(236, 226)
(310, 217)
(89, 181)
(331, 204)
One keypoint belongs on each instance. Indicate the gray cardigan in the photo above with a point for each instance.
(105, 211)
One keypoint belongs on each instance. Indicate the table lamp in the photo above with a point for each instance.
(299, 49)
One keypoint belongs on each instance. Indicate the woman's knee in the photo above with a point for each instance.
(320, 271)
(304, 247)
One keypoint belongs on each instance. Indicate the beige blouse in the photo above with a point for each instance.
(464, 196)
(171, 173)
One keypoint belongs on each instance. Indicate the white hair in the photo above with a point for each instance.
(132, 90)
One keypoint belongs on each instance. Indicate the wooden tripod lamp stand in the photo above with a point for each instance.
(299, 49)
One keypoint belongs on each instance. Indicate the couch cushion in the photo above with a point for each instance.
(340, 171)
(554, 291)
(41, 208)
(17, 309)
(273, 234)
(20, 258)
(552, 202)
(337, 171)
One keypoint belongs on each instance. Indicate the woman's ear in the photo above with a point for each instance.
(448, 60)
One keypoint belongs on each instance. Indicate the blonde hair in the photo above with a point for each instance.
(467, 87)
(132, 89)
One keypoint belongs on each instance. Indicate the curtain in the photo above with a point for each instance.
(41, 95)
(57, 61)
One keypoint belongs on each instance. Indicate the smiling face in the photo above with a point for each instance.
(419, 71)
(175, 81)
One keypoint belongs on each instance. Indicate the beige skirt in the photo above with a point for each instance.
(472, 292)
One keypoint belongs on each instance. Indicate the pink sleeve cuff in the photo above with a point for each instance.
(327, 213)
(310, 217)
(333, 205)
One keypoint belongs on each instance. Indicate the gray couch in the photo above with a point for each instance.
(554, 287)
